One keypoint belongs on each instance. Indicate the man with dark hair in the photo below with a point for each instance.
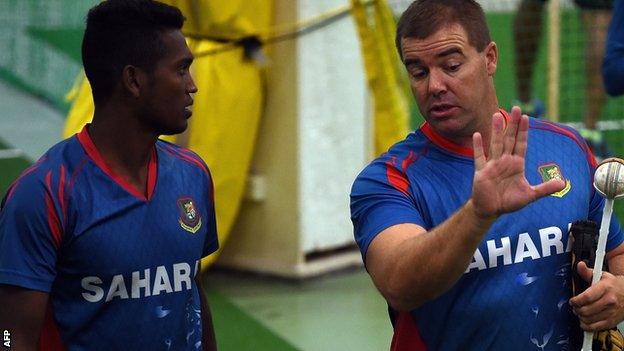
(101, 239)
(463, 226)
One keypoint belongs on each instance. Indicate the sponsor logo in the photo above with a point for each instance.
(508, 250)
(138, 284)
(190, 219)
(553, 171)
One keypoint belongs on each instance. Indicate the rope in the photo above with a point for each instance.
(278, 33)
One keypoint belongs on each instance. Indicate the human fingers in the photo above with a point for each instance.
(594, 312)
(511, 130)
(598, 326)
(547, 188)
(591, 294)
(479, 155)
(602, 315)
(584, 271)
(522, 137)
(496, 138)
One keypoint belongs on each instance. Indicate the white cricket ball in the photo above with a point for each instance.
(609, 178)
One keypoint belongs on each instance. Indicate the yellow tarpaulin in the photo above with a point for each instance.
(228, 104)
(390, 97)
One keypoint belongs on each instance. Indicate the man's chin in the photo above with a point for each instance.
(450, 129)
(444, 125)
(173, 130)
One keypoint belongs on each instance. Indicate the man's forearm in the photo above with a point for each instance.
(615, 260)
(22, 315)
(430, 263)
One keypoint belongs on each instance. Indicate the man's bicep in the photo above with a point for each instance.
(22, 314)
(377, 205)
(382, 251)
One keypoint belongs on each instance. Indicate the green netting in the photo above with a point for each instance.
(40, 45)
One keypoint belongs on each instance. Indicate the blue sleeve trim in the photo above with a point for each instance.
(24, 281)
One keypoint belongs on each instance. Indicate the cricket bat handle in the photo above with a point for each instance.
(600, 253)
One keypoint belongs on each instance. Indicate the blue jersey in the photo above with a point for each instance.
(613, 64)
(118, 265)
(514, 293)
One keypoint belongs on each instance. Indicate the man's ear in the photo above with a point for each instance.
(133, 80)
(491, 58)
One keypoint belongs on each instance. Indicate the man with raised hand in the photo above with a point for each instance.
(463, 225)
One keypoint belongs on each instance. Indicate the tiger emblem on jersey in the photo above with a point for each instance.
(553, 171)
(190, 219)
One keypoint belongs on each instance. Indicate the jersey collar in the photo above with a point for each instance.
(152, 169)
(449, 145)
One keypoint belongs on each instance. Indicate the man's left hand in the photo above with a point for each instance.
(601, 306)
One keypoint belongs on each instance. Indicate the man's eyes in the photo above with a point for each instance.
(453, 67)
(183, 70)
(417, 72)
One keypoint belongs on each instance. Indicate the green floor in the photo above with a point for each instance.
(341, 311)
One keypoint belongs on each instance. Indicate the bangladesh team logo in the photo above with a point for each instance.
(190, 219)
(552, 171)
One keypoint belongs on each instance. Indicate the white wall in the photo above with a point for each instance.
(333, 124)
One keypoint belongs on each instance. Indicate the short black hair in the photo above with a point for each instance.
(124, 32)
(424, 18)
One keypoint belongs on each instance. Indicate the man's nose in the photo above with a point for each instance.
(191, 88)
(437, 82)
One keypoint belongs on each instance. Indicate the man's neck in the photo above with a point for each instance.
(124, 144)
(483, 125)
(486, 130)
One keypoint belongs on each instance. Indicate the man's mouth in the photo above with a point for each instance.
(188, 110)
(441, 110)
